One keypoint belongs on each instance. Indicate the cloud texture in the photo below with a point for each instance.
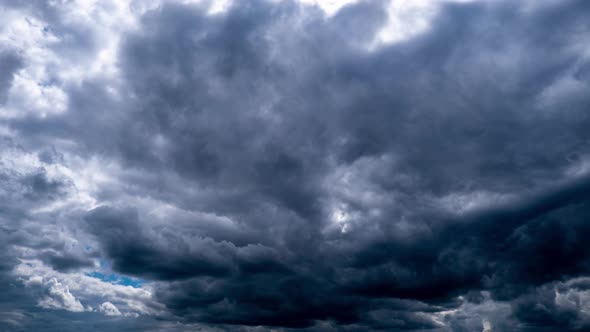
(291, 166)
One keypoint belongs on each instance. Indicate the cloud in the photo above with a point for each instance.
(109, 309)
(278, 165)
(59, 297)
(11, 62)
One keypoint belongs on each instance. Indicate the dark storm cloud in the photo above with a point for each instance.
(319, 184)
(452, 125)
(162, 256)
(65, 261)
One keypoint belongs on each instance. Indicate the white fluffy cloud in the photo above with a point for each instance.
(109, 309)
(57, 296)
(80, 292)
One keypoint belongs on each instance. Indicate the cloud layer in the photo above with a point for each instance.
(279, 165)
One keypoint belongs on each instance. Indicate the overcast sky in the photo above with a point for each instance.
(291, 165)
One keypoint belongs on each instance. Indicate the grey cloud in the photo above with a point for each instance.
(163, 256)
(273, 171)
(65, 261)
(10, 62)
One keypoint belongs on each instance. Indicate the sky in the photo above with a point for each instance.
(294, 165)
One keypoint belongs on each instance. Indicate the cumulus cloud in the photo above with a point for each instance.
(58, 296)
(109, 309)
(294, 165)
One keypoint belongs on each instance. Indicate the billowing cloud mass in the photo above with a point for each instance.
(285, 165)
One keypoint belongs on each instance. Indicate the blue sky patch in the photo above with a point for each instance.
(117, 279)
